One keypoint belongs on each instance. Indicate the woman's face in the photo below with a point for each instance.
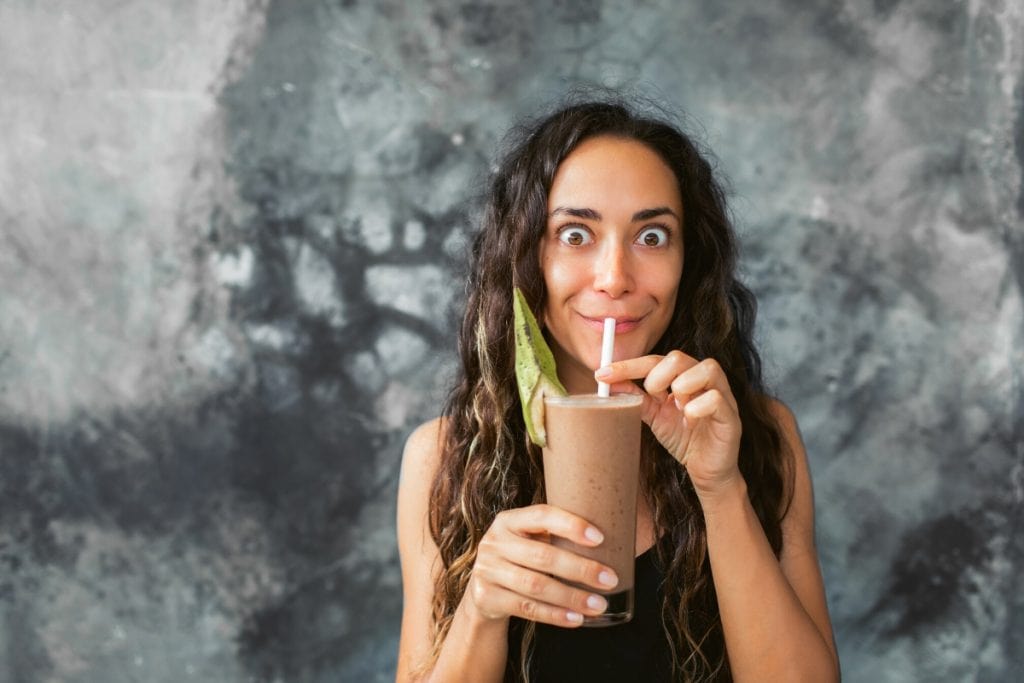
(613, 248)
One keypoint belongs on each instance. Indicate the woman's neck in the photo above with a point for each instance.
(575, 377)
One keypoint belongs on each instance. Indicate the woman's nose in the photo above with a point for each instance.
(612, 271)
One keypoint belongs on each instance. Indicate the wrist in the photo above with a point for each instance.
(476, 619)
(726, 495)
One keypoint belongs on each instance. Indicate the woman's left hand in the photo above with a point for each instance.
(689, 407)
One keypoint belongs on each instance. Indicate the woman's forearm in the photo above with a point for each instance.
(768, 633)
(474, 650)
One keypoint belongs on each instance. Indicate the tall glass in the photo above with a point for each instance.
(592, 468)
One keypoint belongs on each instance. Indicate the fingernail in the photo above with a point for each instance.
(607, 578)
(574, 617)
(603, 372)
(679, 404)
(596, 602)
(593, 534)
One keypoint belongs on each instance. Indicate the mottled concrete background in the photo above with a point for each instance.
(229, 247)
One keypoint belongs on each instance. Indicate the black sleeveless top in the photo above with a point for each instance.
(634, 651)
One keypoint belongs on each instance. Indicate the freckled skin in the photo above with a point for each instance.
(603, 254)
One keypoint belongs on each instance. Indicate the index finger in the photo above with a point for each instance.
(632, 368)
(549, 519)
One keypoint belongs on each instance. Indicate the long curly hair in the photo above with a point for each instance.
(487, 462)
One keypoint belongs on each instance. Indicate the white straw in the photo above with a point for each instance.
(607, 349)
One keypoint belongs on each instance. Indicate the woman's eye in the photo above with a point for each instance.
(653, 237)
(574, 237)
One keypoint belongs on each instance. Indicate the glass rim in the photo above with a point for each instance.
(594, 399)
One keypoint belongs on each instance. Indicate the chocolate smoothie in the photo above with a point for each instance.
(592, 468)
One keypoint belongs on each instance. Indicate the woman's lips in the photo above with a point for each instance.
(622, 325)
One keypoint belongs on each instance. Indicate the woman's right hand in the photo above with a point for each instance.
(518, 573)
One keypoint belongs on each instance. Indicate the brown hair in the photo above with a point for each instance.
(487, 462)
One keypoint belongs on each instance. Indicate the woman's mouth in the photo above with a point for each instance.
(622, 324)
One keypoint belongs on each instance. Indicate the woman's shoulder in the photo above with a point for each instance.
(799, 494)
(426, 436)
(422, 452)
(789, 431)
(415, 480)
(782, 414)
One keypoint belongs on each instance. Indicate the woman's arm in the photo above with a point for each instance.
(512, 576)
(773, 611)
(474, 647)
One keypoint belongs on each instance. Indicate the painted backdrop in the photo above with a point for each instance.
(230, 245)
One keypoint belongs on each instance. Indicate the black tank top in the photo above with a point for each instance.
(635, 651)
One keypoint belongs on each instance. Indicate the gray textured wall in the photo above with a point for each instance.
(229, 236)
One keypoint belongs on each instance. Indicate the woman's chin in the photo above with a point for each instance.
(592, 362)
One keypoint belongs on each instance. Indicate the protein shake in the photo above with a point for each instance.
(592, 468)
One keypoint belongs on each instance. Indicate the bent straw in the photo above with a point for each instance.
(607, 348)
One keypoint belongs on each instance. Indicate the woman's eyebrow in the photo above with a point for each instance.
(589, 214)
(648, 214)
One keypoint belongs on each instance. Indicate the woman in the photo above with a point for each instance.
(596, 212)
